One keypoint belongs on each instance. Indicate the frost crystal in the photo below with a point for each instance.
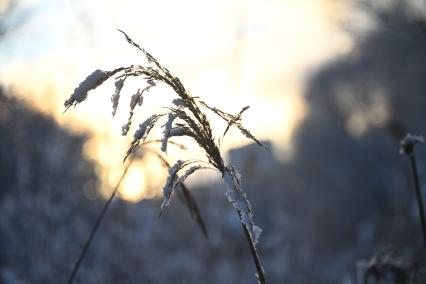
(179, 103)
(238, 198)
(91, 82)
(151, 82)
(136, 99)
(125, 128)
(179, 131)
(407, 144)
(189, 172)
(142, 132)
(143, 127)
(166, 132)
(116, 96)
(251, 136)
(168, 187)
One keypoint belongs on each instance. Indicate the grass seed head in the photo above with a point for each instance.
(92, 81)
(191, 121)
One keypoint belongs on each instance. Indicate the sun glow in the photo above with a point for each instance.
(134, 186)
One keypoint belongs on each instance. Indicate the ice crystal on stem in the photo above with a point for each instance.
(238, 198)
(168, 187)
(407, 144)
(166, 132)
(94, 80)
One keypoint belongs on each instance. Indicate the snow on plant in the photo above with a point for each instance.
(407, 144)
(184, 118)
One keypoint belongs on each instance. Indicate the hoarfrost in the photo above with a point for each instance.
(125, 128)
(116, 96)
(407, 144)
(231, 194)
(166, 132)
(144, 127)
(189, 172)
(245, 218)
(248, 134)
(142, 132)
(151, 82)
(179, 103)
(241, 205)
(256, 232)
(136, 99)
(238, 198)
(168, 187)
(180, 131)
(91, 82)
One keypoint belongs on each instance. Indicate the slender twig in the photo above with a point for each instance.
(407, 147)
(194, 211)
(96, 226)
(256, 258)
(419, 196)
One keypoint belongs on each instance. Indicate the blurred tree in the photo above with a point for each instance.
(357, 192)
(44, 198)
(12, 17)
(347, 193)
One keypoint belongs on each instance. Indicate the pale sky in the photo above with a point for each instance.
(230, 53)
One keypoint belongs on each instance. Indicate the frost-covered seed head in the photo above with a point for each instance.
(179, 103)
(188, 172)
(239, 201)
(192, 122)
(91, 82)
(125, 129)
(143, 127)
(180, 131)
(168, 186)
(116, 96)
(166, 132)
(136, 99)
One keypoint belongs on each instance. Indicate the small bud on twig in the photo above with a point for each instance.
(407, 144)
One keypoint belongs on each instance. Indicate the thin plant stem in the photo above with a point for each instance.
(96, 226)
(194, 211)
(256, 258)
(419, 196)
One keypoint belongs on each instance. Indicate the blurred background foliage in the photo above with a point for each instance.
(343, 195)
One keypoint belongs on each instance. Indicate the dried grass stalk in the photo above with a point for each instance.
(185, 118)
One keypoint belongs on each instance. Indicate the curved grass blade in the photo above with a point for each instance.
(186, 198)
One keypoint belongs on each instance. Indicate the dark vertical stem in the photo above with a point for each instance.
(194, 211)
(96, 226)
(256, 258)
(419, 196)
